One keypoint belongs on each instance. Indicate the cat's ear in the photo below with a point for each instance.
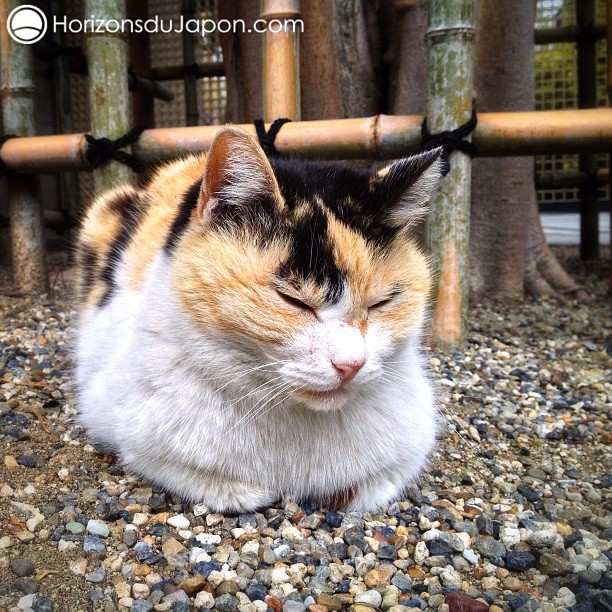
(405, 187)
(237, 173)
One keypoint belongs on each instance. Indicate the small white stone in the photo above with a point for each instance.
(471, 556)
(208, 538)
(421, 552)
(79, 566)
(140, 518)
(27, 601)
(179, 521)
(200, 509)
(204, 599)
(370, 598)
(63, 545)
(279, 576)
(140, 591)
(126, 602)
(432, 534)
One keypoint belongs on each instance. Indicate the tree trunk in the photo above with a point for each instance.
(242, 53)
(509, 253)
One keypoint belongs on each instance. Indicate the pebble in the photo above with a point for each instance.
(98, 528)
(93, 543)
(516, 520)
(75, 528)
(520, 561)
(179, 521)
(227, 603)
(96, 576)
(22, 567)
(43, 604)
(331, 602)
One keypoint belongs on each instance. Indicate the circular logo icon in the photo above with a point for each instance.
(27, 24)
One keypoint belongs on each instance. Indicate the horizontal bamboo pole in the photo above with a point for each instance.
(569, 33)
(570, 179)
(176, 73)
(149, 87)
(378, 137)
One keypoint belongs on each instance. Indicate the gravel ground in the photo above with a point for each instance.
(514, 513)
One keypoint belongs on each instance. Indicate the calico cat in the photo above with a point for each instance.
(250, 328)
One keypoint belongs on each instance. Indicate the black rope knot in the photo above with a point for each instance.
(101, 150)
(266, 139)
(450, 140)
(4, 169)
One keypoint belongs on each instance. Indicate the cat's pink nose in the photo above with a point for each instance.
(348, 369)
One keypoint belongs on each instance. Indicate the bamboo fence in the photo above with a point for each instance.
(381, 137)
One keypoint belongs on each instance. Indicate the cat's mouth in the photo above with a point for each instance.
(323, 399)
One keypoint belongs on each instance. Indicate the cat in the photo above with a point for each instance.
(250, 328)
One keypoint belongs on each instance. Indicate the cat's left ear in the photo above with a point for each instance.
(405, 187)
(237, 176)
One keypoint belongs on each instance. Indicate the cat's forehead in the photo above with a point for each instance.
(329, 225)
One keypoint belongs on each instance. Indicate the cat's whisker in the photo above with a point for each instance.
(273, 382)
(254, 409)
(261, 415)
(242, 375)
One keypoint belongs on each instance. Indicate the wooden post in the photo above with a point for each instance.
(281, 60)
(587, 98)
(450, 35)
(192, 115)
(25, 206)
(69, 181)
(108, 86)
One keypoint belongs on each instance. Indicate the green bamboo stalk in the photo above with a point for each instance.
(17, 94)
(450, 35)
(108, 87)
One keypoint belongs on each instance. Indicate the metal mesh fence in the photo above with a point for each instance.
(556, 88)
(167, 50)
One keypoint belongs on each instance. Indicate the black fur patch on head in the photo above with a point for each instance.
(344, 191)
(311, 256)
(131, 209)
(183, 215)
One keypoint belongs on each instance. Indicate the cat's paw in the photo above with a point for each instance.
(239, 497)
(377, 492)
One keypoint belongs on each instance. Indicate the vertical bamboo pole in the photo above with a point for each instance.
(69, 181)
(450, 36)
(17, 94)
(108, 86)
(192, 115)
(281, 60)
(587, 98)
(143, 107)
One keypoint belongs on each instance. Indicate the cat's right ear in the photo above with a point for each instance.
(237, 174)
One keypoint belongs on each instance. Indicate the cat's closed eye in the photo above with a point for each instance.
(380, 303)
(387, 299)
(293, 301)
